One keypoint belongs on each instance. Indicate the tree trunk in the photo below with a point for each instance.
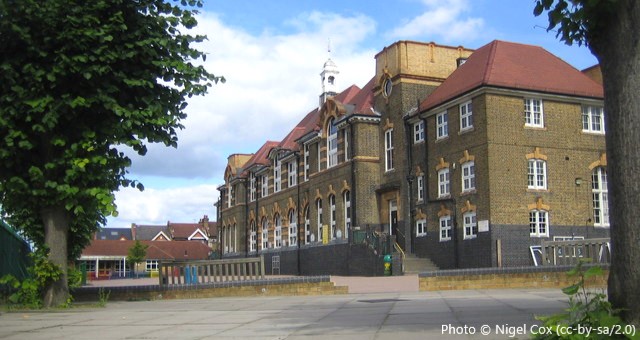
(56, 228)
(618, 50)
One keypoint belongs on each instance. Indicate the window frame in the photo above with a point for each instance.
(535, 223)
(277, 231)
(346, 200)
(470, 225)
(388, 150)
(588, 116)
(253, 236)
(332, 143)
(600, 197)
(252, 187)
(264, 185)
(531, 114)
(333, 215)
(307, 225)
(421, 227)
(466, 116)
(469, 178)
(420, 187)
(418, 132)
(292, 173)
(306, 161)
(265, 234)
(444, 184)
(319, 226)
(442, 125)
(445, 228)
(293, 228)
(537, 174)
(277, 176)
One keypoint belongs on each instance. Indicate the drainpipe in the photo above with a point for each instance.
(247, 228)
(353, 181)
(298, 210)
(409, 177)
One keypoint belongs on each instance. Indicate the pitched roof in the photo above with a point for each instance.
(516, 66)
(113, 234)
(148, 232)
(184, 230)
(363, 100)
(158, 250)
(260, 157)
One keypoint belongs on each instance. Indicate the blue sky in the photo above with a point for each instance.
(271, 54)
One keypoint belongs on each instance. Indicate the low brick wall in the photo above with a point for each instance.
(268, 287)
(503, 278)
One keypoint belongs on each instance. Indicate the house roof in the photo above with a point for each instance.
(158, 250)
(260, 157)
(148, 232)
(363, 100)
(360, 99)
(185, 230)
(515, 66)
(113, 234)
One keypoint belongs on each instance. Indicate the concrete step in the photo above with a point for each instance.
(415, 265)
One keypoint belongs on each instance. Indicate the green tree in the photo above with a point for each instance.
(81, 82)
(610, 29)
(136, 254)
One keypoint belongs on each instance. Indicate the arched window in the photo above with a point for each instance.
(332, 206)
(265, 234)
(253, 236)
(233, 238)
(600, 195)
(319, 219)
(277, 237)
(307, 225)
(346, 197)
(332, 143)
(225, 243)
(293, 228)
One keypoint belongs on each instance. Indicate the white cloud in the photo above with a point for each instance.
(273, 81)
(157, 206)
(442, 20)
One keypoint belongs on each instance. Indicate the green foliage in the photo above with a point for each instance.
(578, 21)
(137, 253)
(81, 82)
(103, 296)
(587, 309)
(28, 293)
(74, 277)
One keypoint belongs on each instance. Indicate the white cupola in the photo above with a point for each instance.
(329, 77)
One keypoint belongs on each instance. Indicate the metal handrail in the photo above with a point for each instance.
(397, 246)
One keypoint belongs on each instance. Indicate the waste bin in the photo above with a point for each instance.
(387, 265)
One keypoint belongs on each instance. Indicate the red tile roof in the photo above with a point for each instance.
(516, 66)
(363, 100)
(183, 230)
(158, 250)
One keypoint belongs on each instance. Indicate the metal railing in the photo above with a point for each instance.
(402, 254)
(210, 271)
(377, 241)
(555, 253)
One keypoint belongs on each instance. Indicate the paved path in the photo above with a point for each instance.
(413, 315)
